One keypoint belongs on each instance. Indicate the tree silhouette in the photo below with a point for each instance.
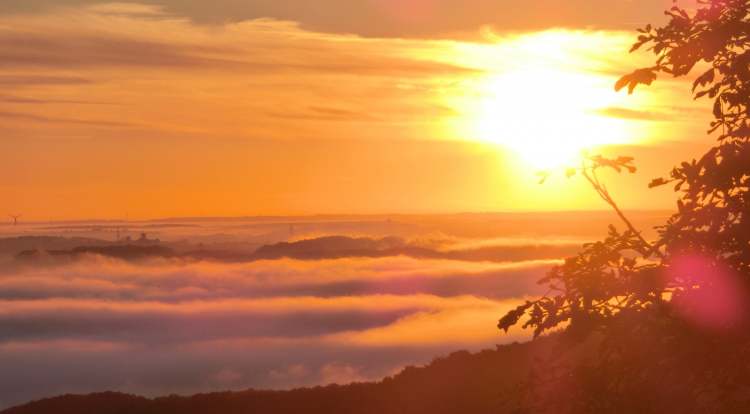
(674, 308)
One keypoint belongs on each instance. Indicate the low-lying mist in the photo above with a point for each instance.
(224, 310)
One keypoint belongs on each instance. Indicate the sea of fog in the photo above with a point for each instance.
(331, 299)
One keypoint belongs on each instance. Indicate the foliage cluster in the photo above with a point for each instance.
(663, 307)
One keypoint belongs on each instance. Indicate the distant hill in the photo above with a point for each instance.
(124, 252)
(341, 246)
(329, 247)
(561, 373)
(553, 374)
(15, 245)
(460, 383)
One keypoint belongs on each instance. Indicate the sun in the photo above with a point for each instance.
(545, 96)
(546, 116)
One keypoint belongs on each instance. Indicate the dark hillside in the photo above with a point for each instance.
(460, 383)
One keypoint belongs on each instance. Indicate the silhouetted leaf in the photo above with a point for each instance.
(717, 108)
(704, 79)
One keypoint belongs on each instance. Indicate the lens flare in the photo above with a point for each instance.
(712, 295)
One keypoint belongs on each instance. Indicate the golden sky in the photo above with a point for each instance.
(167, 108)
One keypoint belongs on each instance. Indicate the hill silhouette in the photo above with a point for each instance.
(15, 245)
(328, 247)
(125, 252)
(483, 382)
(557, 373)
(342, 246)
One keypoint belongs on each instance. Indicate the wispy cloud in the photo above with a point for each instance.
(155, 63)
(26, 117)
(20, 49)
(637, 115)
(21, 100)
(39, 80)
(385, 18)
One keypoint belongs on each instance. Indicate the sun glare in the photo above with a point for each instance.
(547, 106)
(548, 117)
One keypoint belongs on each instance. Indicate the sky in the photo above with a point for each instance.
(164, 108)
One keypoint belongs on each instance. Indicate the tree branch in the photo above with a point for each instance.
(648, 248)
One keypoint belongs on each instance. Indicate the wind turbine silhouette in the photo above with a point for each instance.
(15, 218)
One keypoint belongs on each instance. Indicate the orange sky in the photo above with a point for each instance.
(114, 110)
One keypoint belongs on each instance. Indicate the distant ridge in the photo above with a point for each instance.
(328, 247)
(15, 245)
(342, 246)
(460, 383)
(125, 252)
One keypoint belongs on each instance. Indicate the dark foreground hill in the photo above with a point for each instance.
(461, 383)
(555, 374)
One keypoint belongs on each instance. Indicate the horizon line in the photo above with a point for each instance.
(330, 215)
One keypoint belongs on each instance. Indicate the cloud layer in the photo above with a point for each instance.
(173, 326)
(403, 18)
